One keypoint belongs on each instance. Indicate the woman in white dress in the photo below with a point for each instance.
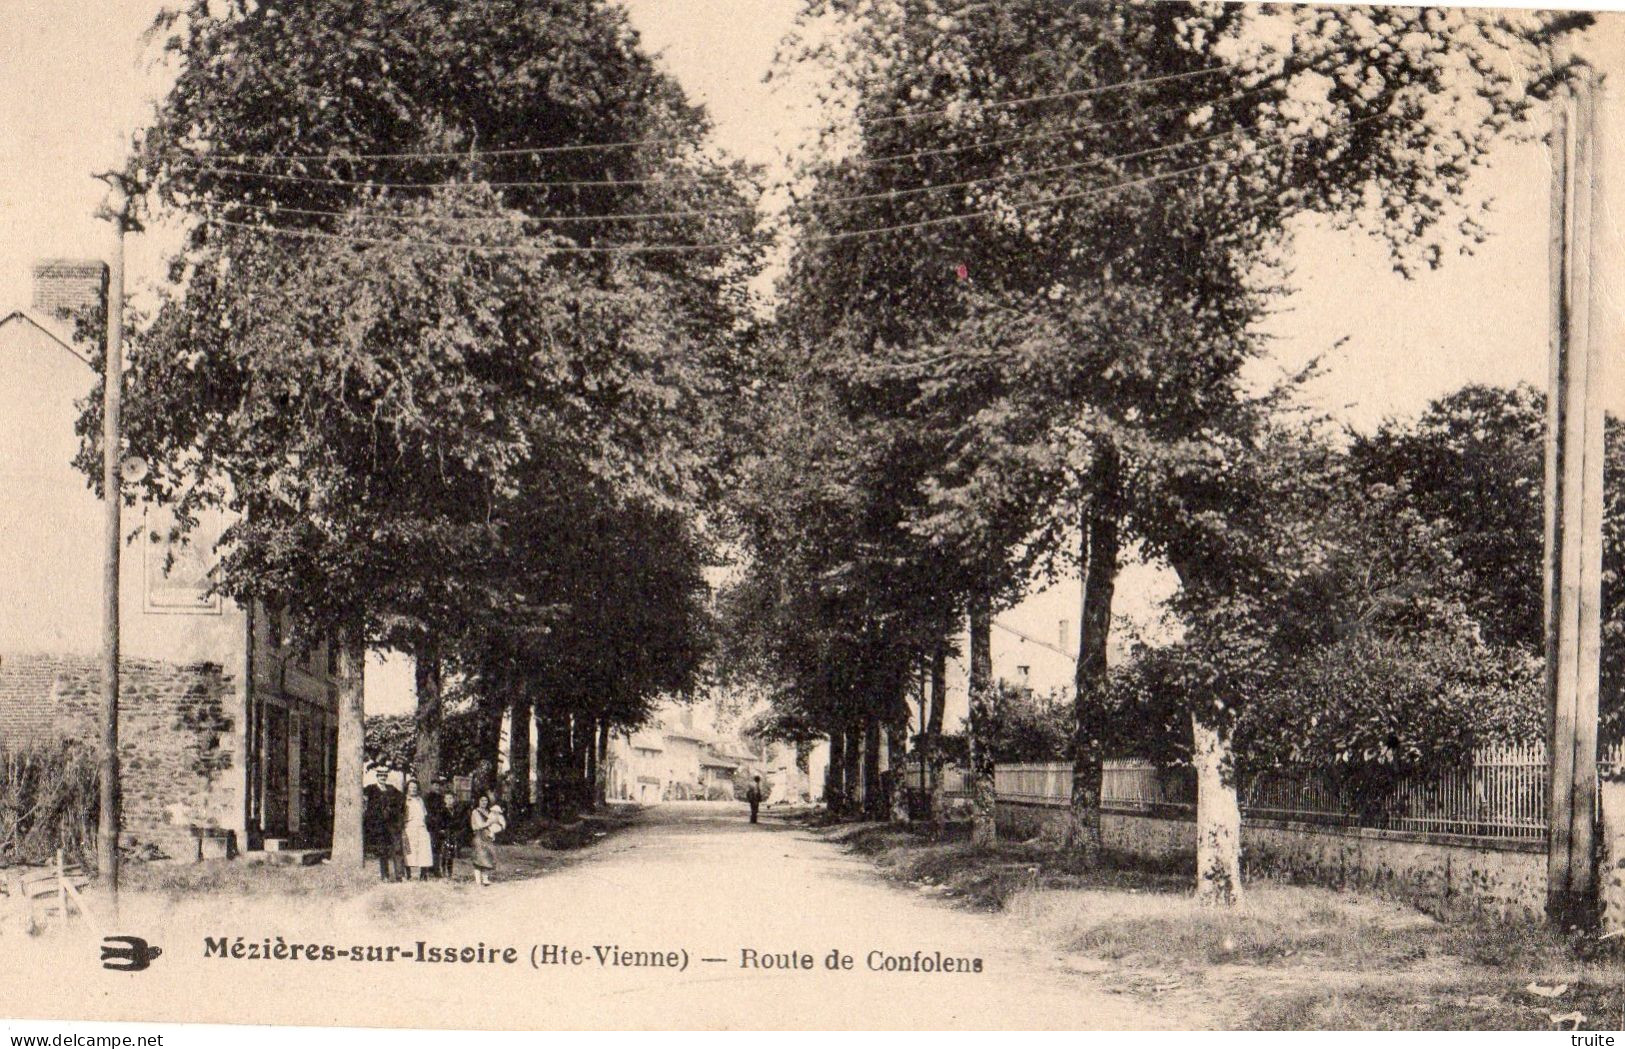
(419, 846)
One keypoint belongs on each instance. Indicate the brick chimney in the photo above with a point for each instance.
(62, 287)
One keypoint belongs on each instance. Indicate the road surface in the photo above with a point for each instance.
(769, 903)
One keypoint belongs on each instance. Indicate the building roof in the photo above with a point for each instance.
(46, 326)
(731, 748)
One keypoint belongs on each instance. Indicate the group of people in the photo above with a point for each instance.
(418, 833)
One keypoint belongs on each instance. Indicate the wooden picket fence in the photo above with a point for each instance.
(1047, 783)
(955, 780)
(1500, 793)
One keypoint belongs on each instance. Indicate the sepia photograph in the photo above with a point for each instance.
(802, 515)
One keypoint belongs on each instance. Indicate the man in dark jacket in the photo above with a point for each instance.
(383, 826)
(754, 796)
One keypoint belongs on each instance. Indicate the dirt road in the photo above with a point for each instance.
(770, 903)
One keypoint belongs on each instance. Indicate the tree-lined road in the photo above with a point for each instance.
(688, 877)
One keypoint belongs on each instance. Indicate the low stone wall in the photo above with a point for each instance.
(1023, 821)
(1437, 871)
(177, 759)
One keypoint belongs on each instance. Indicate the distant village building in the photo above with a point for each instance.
(227, 733)
(786, 781)
(681, 756)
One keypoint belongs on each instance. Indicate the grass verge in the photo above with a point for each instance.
(528, 851)
(1292, 957)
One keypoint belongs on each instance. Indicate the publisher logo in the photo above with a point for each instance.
(129, 954)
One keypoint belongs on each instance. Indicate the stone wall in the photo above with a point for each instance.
(1436, 871)
(1023, 821)
(177, 741)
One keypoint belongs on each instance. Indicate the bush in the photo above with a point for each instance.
(49, 800)
(1379, 706)
(391, 741)
(1366, 708)
(1028, 726)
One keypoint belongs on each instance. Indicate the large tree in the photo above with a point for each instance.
(411, 287)
(1472, 463)
(1084, 211)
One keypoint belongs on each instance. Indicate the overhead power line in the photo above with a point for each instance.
(835, 236)
(1041, 643)
(539, 184)
(571, 184)
(588, 147)
(219, 167)
(854, 198)
(1054, 96)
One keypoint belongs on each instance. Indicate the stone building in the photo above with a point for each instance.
(226, 732)
(680, 755)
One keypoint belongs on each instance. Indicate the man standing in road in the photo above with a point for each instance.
(754, 796)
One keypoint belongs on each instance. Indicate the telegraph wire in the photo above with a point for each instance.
(873, 196)
(834, 236)
(1053, 96)
(584, 147)
(562, 184)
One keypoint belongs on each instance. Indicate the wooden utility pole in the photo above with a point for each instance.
(1573, 505)
(117, 211)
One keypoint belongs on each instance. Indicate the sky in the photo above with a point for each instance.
(75, 79)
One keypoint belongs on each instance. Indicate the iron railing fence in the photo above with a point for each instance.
(1499, 793)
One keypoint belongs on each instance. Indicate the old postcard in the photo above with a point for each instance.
(806, 514)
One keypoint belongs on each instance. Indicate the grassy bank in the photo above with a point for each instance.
(529, 851)
(1289, 957)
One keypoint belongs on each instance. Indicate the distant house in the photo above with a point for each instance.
(636, 767)
(677, 757)
(684, 746)
(225, 729)
(729, 760)
(784, 777)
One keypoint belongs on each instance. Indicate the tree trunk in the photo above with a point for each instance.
(428, 678)
(490, 746)
(569, 763)
(939, 690)
(933, 746)
(1218, 817)
(584, 740)
(874, 799)
(351, 760)
(853, 774)
(519, 754)
(600, 785)
(983, 830)
(549, 760)
(1100, 543)
(1611, 876)
(897, 785)
(592, 764)
(835, 774)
